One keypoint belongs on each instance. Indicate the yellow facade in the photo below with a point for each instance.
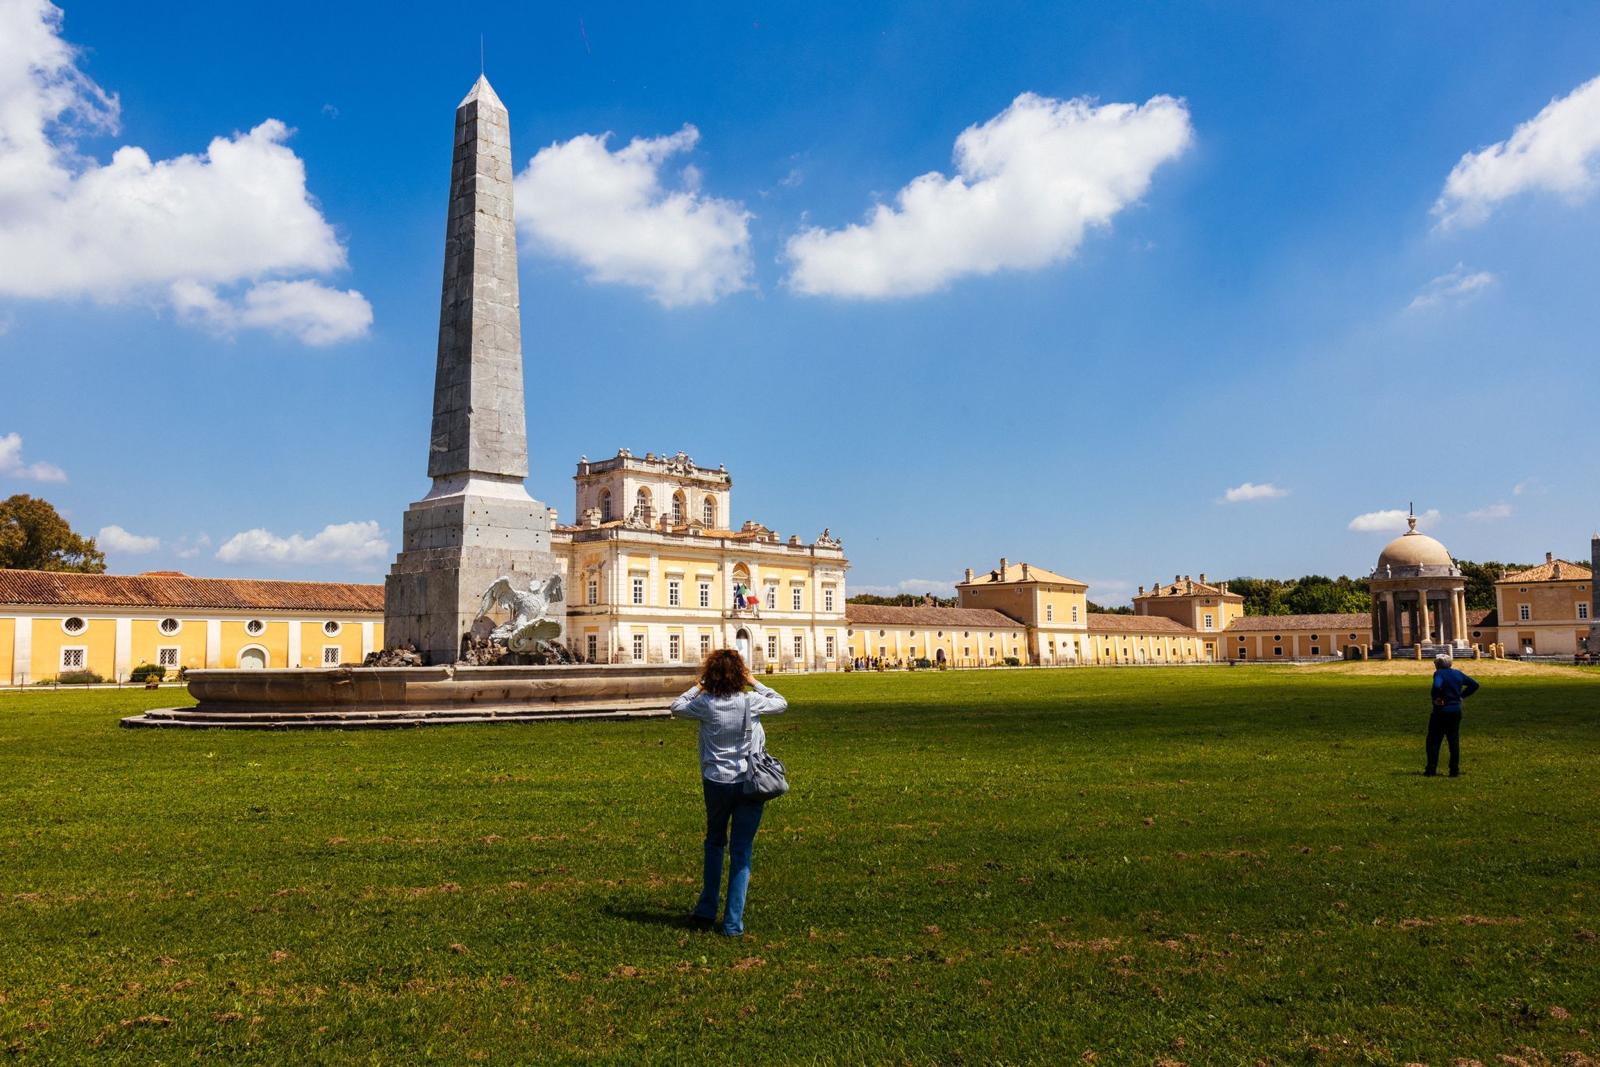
(955, 645)
(1544, 611)
(657, 582)
(112, 644)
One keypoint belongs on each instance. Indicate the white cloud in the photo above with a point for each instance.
(1392, 520)
(190, 547)
(116, 539)
(12, 465)
(1455, 287)
(1029, 182)
(1527, 486)
(1253, 491)
(1493, 511)
(609, 211)
(942, 587)
(136, 227)
(1110, 592)
(1556, 151)
(306, 310)
(347, 542)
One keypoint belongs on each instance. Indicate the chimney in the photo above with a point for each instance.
(1549, 556)
(1202, 577)
(1141, 590)
(1024, 572)
(969, 574)
(1176, 578)
(1002, 568)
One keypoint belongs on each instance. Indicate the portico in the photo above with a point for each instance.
(1419, 596)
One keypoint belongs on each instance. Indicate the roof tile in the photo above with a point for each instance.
(177, 591)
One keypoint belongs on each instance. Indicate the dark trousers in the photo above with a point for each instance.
(1444, 726)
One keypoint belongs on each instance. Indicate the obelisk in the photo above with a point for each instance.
(478, 522)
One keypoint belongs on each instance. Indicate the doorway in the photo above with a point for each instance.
(741, 641)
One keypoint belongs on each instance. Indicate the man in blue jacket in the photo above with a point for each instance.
(1450, 688)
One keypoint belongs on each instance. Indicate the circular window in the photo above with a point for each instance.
(74, 625)
(880, 633)
(331, 628)
(849, 633)
(1277, 637)
(255, 627)
(169, 626)
(939, 634)
(913, 633)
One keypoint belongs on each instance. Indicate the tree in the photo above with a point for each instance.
(34, 536)
(903, 600)
(1481, 578)
(1101, 609)
(1313, 594)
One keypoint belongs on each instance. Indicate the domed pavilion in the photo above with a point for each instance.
(1418, 594)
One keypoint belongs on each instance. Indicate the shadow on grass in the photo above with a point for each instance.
(654, 915)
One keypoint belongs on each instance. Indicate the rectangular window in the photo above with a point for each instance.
(772, 646)
(591, 647)
(591, 591)
(638, 590)
(827, 599)
(966, 651)
(674, 593)
(1074, 613)
(1583, 609)
(1209, 624)
(638, 648)
(167, 656)
(772, 597)
(674, 647)
(1049, 613)
(1315, 651)
(799, 647)
(705, 645)
(330, 655)
(829, 646)
(795, 596)
(1277, 650)
(705, 594)
(73, 659)
(1524, 613)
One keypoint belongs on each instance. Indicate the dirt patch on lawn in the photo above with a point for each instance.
(1478, 668)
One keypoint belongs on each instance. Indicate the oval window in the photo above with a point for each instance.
(170, 626)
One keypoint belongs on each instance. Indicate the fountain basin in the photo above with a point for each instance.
(391, 697)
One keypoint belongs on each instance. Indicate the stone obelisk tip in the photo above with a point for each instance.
(481, 90)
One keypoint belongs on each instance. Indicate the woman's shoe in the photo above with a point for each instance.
(700, 922)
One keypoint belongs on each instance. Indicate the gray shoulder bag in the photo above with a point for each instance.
(767, 780)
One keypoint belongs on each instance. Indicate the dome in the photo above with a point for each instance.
(1413, 549)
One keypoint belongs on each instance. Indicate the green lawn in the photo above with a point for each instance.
(1209, 865)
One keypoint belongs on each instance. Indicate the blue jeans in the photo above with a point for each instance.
(725, 802)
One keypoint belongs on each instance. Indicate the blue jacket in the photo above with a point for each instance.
(1450, 688)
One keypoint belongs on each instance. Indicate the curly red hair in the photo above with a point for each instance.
(724, 673)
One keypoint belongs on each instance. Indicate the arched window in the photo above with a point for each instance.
(708, 511)
(641, 501)
(605, 505)
(680, 507)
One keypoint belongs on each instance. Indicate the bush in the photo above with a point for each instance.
(1012, 661)
(78, 678)
(922, 664)
(147, 672)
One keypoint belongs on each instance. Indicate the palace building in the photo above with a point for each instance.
(1545, 610)
(54, 624)
(656, 573)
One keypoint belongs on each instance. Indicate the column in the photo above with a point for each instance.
(1424, 619)
(295, 630)
(214, 643)
(366, 640)
(122, 655)
(22, 651)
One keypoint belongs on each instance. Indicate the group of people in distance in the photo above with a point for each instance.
(728, 702)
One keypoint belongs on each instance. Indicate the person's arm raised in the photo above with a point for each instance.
(766, 700)
(687, 706)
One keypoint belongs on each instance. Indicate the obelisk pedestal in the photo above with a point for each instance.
(478, 522)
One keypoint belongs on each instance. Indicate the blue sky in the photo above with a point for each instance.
(1214, 249)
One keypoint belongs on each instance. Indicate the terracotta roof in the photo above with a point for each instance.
(1187, 587)
(176, 590)
(1102, 622)
(1333, 623)
(948, 618)
(1480, 617)
(1013, 573)
(1555, 570)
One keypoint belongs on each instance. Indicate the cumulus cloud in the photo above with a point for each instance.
(1029, 182)
(346, 542)
(306, 310)
(1455, 287)
(190, 547)
(1491, 512)
(137, 227)
(1392, 520)
(1556, 151)
(13, 466)
(937, 586)
(610, 212)
(116, 539)
(1253, 491)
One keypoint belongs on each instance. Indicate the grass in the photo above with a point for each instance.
(1128, 866)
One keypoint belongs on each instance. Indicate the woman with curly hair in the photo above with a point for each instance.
(720, 702)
